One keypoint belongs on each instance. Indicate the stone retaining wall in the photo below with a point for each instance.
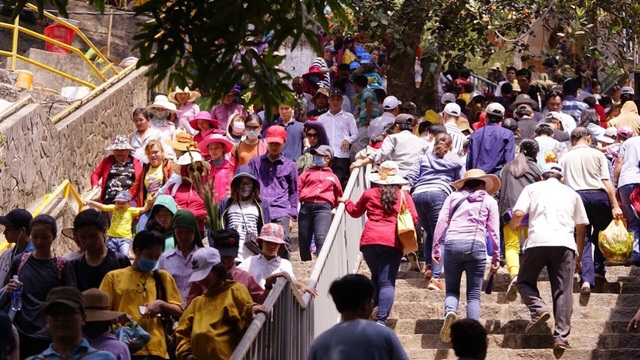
(39, 155)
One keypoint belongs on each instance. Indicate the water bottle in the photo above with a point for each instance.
(16, 297)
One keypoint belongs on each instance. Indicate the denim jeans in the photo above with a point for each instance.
(633, 223)
(470, 257)
(428, 205)
(313, 219)
(285, 222)
(384, 262)
(121, 245)
(596, 203)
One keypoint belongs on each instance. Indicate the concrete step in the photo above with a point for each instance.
(617, 287)
(433, 326)
(527, 341)
(531, 354)
(595, 299)
(508, 312)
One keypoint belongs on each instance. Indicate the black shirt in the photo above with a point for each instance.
(91, 276)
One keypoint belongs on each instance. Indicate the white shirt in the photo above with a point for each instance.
(585, 168)
(403, 148)
(554, 211)
(456, 135)
(376, 126)
(629, 153)
(139, 143)
(339, 127)
(260, 268)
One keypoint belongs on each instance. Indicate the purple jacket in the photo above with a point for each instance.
(278, 184)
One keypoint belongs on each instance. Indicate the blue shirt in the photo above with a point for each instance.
(574, 107)
(278, 184)
(490, 148)
(292, 149)
(82, 349)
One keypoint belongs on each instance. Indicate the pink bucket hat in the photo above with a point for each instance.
(272, 233)
(203, 115)
(215, 138)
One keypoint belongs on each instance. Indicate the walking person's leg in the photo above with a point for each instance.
(561, 267)
(321, 224)
(475, 263)
(372, 258)
(533, 261)
(435, 200)
(389, 263)
(305, 230)
(633, 222)
(454, 250)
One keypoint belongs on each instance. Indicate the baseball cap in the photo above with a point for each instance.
(203, 260)
(609, 136)
(330, 49)
(365, 58)
(227, 241)
(276, 134)
(391, 102)
(123, 196)
(510, 124)
(322, 150)
(67, 295)
(17, 218)
(404, 119)
(625, 132)
(335, 92)
(272, 233)
(354, 65)
(495, 109)
(552, 168)
(627, 90)
(452, 109)
(447, 98)
(322, 91)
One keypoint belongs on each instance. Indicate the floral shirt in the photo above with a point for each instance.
(121, 177)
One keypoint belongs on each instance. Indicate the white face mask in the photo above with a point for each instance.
(238, 126)
(252, 134)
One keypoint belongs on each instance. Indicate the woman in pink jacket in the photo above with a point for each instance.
(184, 192)
(467, 217)
(379, 242)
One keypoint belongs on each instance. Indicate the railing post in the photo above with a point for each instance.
(14, 45)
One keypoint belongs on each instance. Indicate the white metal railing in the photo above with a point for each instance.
(296, 320)
(481, 83)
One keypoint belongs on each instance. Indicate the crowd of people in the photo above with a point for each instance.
(479, 180)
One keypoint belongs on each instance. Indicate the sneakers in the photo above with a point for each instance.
(413, 260)
(512, 290)
(445, 332)
(374, 314)
(435, 284)
(562, 346)
(540, 318)
(427, 272)
(585, 288)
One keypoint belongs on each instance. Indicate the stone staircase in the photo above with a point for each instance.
(598, 324)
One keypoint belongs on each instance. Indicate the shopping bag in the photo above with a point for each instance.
(406, 228)
(616, 243)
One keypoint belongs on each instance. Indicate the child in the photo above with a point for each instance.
(205, 124)
(119, 234)
(319, 190)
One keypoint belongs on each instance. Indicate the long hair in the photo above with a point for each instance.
(442, 145)
(389, 196)
(589, 116)
(520, 165)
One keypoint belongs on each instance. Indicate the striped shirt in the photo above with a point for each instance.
(456, 135)
(244, 217)
(574, 107)
(326, 82)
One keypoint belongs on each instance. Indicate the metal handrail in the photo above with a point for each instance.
(293, 324)
(489, 85)
(64, 190)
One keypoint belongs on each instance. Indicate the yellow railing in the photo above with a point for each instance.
(64, 190)
(13, 54)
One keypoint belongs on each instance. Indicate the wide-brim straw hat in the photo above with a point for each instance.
(193, 95)
(161, 101)
(96, 306)
(215, 138)
(388, 175)
(183, 142)
(492, 182)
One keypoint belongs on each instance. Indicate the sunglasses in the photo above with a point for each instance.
(312, 135)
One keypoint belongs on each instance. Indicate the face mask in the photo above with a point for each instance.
(246, 190)
(252, 134)
(318, 160)
(160, 114)
(145, 264)
(238, 126)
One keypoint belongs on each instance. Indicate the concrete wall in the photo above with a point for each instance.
(298, 60)
(39, 155)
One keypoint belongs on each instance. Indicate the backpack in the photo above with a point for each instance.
(60, 264)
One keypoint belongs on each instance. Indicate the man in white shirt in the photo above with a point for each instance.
(451, 114)
(586, 170)
(391, 110)
(554, 211)
(342, 131)
(627, 176)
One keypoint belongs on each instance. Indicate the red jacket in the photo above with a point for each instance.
(381, 226)
(101, 173)
(319, 186)
(187, 198)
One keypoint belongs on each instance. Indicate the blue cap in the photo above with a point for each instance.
(360, 50)
(354, 65)
(123, 196)
(365, 58)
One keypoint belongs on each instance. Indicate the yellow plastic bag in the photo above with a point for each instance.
(406, 228)
(616, 243)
